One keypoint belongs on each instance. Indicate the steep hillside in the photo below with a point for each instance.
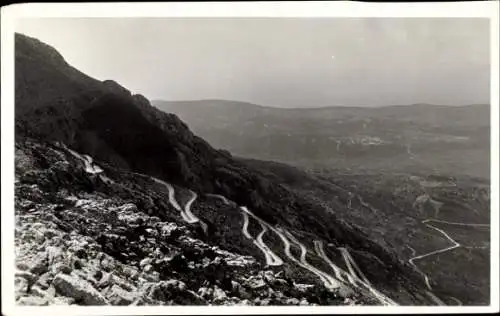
(92, 235)
(412, 214)
(393, 138)
(152, 160)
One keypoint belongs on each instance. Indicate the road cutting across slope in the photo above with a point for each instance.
(435, 298)
(455, 245)
(455, 223)
(221, 197)
(454, 242)
(271, 258)
(245, 226)
(318, 247)
(287, 238)
(352, 277)
(187, 209)
(329, 281)
(186, 213)
(287, 247)
(459, 302)
(171, 193)
(90, 166)
(362, 279)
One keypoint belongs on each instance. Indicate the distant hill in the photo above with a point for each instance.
(421, 136)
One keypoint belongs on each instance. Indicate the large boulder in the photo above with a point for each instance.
(79, 289)
(32, 301)
(119, 296)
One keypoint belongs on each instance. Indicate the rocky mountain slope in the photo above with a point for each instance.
(393, 138)
(104, 176)
(82, 239)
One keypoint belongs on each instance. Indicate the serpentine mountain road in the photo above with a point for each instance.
(355, 276)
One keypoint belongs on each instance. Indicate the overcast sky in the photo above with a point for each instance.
(294, 62)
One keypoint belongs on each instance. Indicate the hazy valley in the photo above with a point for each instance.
(393, 138)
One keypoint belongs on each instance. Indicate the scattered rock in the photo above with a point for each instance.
(206, 293)
(81, 253)
(123, 283)
(106, 280)
(32, 301)
(30, 277)
(244, 294)
(54, 254)
(119, 296)
(219, 296)
(145, 262)
(44, 280)
(292, 301)
(60, 267)
(22, 266)
(21, 285)
(38, 291)
(128, 207)
(107, 265)
(176, 291)
(78, 289)
(77, 264)
(98, 275)
(303, 302)
(255, 283)
(303, 288)
(269, 276)
(62, 300)
(39, 265)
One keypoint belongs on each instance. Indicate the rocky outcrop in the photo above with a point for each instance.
(96, 248)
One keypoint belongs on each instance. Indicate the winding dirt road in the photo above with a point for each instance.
(330, 282)
(355, 275)
(186, 213)
(318, 247)
(90, 166)
(245, 226)
(361, 279)
(435, 298)
(271, 258)
(218, 196)
(455, 223)
(454, 245)
(187, 209)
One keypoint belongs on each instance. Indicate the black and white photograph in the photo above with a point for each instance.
(249, 161)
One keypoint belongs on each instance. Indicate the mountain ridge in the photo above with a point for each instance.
(239, 102)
